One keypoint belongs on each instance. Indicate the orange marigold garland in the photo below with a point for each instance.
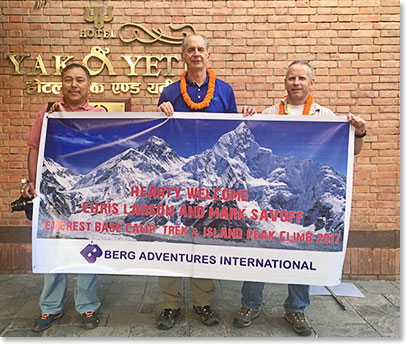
(209, 95)
(305, 112)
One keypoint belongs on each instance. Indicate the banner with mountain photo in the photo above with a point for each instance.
(265, 198)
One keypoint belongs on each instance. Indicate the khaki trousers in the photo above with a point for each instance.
(203, 291)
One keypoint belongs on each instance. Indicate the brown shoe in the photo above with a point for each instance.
(245, 316)
(299, 322)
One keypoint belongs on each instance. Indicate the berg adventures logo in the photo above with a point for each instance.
(91, 253)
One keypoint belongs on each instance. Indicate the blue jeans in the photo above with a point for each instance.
(298, 296)
(54, 290)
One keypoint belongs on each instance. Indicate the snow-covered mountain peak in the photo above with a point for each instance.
(237, 142)
(57, 177)
(157, 147)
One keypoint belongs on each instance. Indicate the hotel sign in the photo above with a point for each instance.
(128, 32)
(138, 65)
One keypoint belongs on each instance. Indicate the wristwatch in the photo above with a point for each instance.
(361, 135)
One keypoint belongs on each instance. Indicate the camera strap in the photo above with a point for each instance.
(49, 106)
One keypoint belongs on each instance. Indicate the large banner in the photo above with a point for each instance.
(265, 198)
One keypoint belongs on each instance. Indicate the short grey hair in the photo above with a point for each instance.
(301, 62)
(184, 42)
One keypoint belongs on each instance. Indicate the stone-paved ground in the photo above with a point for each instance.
(132, 303)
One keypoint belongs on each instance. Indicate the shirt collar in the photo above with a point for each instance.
(314, 106)
(191, 83)
(85, 106)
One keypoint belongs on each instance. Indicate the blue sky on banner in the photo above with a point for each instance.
(324, 142)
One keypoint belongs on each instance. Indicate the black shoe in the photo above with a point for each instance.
(299, 322)
(207, 314)
(90, 320)
(45, 321)
(167, 318)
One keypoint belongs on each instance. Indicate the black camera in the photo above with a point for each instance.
(23, 203)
